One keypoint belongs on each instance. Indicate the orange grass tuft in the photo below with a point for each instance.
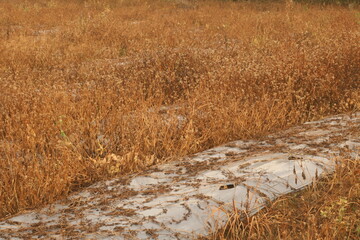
(82, 84)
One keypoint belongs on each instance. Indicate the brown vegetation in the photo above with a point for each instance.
(83, 83)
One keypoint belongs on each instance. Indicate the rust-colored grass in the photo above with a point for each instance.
(329, 209)
(83, 83)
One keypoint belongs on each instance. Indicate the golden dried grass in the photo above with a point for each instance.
(83, 83)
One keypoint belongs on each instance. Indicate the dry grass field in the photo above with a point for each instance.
(95, 89)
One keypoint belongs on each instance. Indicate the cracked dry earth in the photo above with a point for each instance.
(187, 198)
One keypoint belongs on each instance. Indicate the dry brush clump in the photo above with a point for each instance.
(94, 89)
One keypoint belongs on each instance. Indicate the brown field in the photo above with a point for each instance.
(83, 84)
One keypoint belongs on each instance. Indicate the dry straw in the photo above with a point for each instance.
(83, 84)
